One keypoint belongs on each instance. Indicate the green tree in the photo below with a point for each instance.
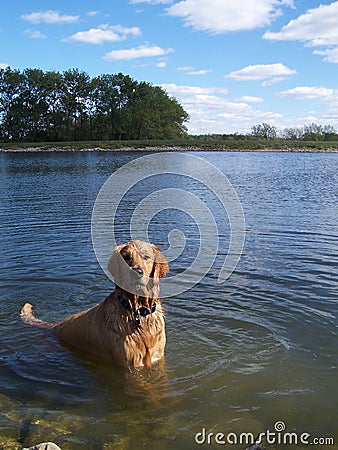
(264, 130)
(53, 90)
(33, 105)
(313, 132)
(110, 94)
(11, 82)
(292, 133)
(75, 93)
(154, 115)
(329, 133)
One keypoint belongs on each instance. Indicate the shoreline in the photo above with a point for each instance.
(165, 148)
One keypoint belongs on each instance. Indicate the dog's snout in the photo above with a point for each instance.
(138, 270)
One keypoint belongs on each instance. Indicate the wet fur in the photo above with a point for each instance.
(109, 329)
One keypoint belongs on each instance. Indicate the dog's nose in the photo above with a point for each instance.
(138, 270)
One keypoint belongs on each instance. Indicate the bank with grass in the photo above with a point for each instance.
(183, 144)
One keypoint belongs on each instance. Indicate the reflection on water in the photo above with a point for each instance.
(240, 356)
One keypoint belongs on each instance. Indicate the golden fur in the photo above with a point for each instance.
(114, 329)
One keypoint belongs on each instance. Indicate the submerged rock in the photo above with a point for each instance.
(44, 446)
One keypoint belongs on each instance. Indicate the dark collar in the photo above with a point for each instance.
(139, 312)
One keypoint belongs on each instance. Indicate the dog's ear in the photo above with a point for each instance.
(161, 267)
(115, 263)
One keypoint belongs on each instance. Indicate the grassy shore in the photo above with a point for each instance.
(190, 144)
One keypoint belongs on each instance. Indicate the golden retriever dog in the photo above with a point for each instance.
(127, 328)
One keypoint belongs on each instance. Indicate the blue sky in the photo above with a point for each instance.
(230, 63)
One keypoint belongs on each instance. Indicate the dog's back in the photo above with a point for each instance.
(107, 331)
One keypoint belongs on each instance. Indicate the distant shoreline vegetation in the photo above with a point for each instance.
(187, 144)
(68, 111)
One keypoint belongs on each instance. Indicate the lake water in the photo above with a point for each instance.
(241, 357)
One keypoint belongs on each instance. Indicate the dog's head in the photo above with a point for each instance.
(137, 267)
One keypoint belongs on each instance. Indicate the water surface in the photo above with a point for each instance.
(241, 356)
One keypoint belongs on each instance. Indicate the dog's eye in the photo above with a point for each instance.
(146, 257)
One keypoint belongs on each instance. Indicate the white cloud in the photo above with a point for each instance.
(35, 34)
(308, 93)
(143, 51)
(220, 16)
(161, 64)
(249, 99)
(316, 28)
(135, 31)
(189, 70)
(49, 17)
(92, 13)
(331, 55)
(104, 33)
(3, 66)
(244, 112)
(271, 73)
(320, 94)
(199, 72)
(178, 90)
(271, 81)
(185, 68)
(212, 111)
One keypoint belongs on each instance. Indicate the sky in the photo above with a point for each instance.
(231, 64)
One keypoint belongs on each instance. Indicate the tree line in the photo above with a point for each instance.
(310, 132)
(265, 131)
(50, 106)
